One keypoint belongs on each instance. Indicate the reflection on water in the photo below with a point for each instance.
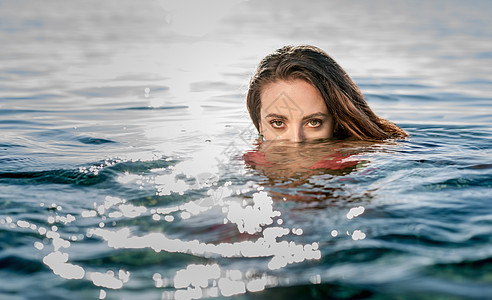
(298, 172)
(261, 231)
(129, 166)
(287, 158)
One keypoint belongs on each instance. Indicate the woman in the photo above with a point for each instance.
(312, 118)
(300, 93)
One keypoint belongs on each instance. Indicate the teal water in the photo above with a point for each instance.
(124, 129)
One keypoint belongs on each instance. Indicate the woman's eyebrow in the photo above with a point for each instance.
(318, 114)
(277, 116)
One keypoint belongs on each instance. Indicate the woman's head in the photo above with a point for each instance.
(300, 92)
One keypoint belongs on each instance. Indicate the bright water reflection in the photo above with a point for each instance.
(247, 208)
(129, 166)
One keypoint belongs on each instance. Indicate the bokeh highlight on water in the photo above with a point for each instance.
(124, 130)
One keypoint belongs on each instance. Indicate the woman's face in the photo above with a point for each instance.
(294, 110)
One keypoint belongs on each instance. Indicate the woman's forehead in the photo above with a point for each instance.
(293, 98)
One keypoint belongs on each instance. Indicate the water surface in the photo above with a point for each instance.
(128, 164)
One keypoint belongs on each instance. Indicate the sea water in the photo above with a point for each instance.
(125, 153)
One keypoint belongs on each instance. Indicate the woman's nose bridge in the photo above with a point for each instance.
(297, 134)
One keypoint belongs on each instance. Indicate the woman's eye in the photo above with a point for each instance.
(277, 123)
(314, 123)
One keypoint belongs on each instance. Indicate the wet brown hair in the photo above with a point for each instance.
(352, 115)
